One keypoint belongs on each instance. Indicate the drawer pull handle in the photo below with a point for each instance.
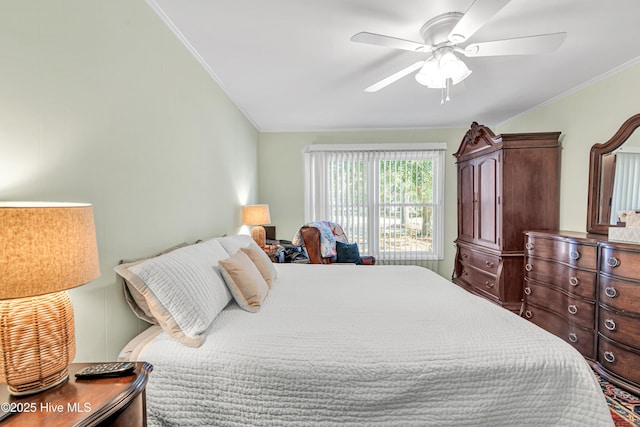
(527, 290)
(610, 324)
(528, 314)
(489, 264)
(574, 255)
(613, 262)
(574, 281)
(465, 255)
(465, 273)
(573, 337)
(572, 309)
(609, 356)
(529, 246)
(610, 292)
(528, 267)
(489, 284)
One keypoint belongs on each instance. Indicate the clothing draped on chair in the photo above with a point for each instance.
(330, 232)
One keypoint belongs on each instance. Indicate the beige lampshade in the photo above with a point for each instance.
(46, 247)
(256, 215)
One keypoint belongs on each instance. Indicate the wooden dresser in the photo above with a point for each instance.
(586, 290)
(619, 315)
(560, 286)
(506, 184)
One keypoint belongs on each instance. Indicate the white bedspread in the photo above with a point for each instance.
(370, 345)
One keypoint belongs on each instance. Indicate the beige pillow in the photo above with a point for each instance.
(244, 280)
(262, 261)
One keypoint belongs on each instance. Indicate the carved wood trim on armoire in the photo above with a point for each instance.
(507, 184)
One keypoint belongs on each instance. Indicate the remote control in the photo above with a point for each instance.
(105, 370)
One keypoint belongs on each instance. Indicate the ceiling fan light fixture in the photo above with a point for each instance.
(461, 73)
(430, 75)
(441, 68)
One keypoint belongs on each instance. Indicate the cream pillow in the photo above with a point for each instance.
(262, 261)
(182, 289)
(244, 280)
(135, 300)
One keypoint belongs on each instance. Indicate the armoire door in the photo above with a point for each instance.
(466, 201)
(488, 200)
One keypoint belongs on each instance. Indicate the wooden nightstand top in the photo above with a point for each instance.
(81, 402)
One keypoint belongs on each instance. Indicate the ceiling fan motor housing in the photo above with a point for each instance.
(435, 32)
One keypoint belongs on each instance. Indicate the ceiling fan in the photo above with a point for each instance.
(443, 37)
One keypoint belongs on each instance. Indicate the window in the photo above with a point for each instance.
(387, 198)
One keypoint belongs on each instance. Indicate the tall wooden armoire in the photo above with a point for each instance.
(507, 184)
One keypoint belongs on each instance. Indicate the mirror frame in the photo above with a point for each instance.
(595, 166)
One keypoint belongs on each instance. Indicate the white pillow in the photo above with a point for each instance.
(183, 289)
(233, 243)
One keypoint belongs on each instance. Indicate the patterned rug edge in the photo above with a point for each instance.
(624, 407)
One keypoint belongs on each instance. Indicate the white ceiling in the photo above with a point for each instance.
(289, 64)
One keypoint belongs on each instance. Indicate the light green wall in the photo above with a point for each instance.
(100, 103)
(588, 116)
(281, 175)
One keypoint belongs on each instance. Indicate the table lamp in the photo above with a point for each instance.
(257, 215)
(45, 248)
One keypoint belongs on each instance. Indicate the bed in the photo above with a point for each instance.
(358, 345)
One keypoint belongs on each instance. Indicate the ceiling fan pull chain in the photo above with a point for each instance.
(442, 95)
(448, 87)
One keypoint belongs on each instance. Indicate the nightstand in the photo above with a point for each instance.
(93, 402)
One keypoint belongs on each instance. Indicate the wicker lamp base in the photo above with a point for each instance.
(259, 235)
(37, 342)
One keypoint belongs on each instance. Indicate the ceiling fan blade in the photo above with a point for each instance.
(388, 41)
(475, 17)
(544, 43)
(394, 77)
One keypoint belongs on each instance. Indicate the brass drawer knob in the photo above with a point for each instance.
(489, 264)
(489, 284)
(613, 262)
(573, 337)
(572, 309)
(574, 255)
(527, 291)
(610, 324)
(610, 292)
(529, 246)
(528, 267)
(528, 314)
(609, 356)
(574, 281)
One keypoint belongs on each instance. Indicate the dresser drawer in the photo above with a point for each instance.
(620, 263)
(480, 260)
(582, 339)
(574, 281)
(574, 254)
(574, 310)
(620, 295)
(480, 280)
(618, 327)
(619, 359)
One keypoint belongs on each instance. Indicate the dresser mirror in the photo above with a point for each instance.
(614, 177)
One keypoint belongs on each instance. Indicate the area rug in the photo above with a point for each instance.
(625, 407)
